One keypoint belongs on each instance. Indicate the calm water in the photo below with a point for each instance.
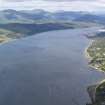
(47, 69)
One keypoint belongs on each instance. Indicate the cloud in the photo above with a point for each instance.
(53, 5)
(68, 0)
(16, 0)
(64, 0)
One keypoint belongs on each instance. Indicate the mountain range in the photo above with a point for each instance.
(39, 16)
(17, 24)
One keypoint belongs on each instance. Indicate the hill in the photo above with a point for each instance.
(39, 16)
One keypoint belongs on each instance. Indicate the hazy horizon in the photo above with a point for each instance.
(54, 5)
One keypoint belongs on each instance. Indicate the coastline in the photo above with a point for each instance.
(89, 58)
(86, 52)
(92, 89)
(7, 41)
(12, 39)
(83, 84)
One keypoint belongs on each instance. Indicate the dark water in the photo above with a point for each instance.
(47, 69)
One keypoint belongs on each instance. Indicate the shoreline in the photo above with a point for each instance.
(10, 40)
(86, 52)
(89, 58)
(92, 89)
(7, 41)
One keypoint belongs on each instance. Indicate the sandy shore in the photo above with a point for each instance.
(86, 52)
(6, 41)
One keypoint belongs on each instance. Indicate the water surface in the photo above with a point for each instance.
(47, 69)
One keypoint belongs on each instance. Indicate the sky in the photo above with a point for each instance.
(54, 5)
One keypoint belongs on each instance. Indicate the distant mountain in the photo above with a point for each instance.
(9, 16)
(92, 18)
(65, 15)
(41, 16)
(17, 24)
(18, 30)
(30, 29)
(13, 16)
